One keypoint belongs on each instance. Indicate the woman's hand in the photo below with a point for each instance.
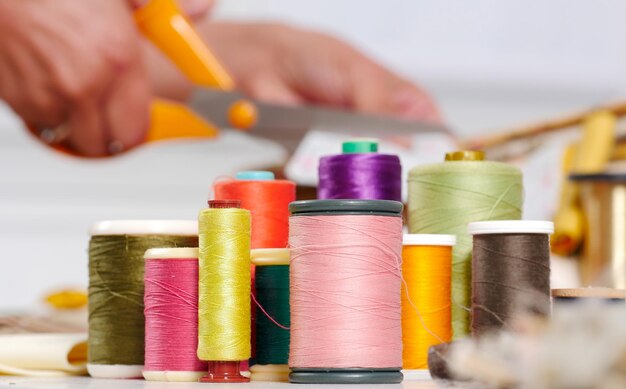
(76, 63)
(281, 64)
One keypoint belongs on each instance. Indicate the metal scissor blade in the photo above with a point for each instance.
(288, 125)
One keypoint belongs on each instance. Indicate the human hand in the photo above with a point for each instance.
(75, 63)
(281, 64)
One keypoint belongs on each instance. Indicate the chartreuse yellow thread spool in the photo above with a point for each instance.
(445, 197)
(224, 290)
(116, 290)
(272, 315)
(426, 313)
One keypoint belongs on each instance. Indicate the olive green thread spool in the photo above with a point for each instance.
(116, 271)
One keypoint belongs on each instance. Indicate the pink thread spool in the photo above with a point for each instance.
(345, 275)
(171, 312)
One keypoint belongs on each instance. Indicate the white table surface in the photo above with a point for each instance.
(97, 383)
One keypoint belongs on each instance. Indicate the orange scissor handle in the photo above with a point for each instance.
(163, 23)
(171, 120)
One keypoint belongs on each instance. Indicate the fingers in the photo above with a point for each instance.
(126, 109)
(87, 130)
(271, 89)
(377, 90)
(411, 102)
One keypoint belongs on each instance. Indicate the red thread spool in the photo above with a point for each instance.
(268, 200)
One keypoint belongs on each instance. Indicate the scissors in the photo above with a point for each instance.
(164, 24)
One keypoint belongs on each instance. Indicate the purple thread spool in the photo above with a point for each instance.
(360, 173)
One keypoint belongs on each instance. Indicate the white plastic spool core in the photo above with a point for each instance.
(173, 376)
(114, 371)
(145, 227)
(428, 240)
(269, 257)
(510, 227)
(172, 253)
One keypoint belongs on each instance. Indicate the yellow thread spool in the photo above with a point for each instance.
(224, 284)
(426, 299)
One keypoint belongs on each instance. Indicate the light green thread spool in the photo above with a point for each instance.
(445, 197)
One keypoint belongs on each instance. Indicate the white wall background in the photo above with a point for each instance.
(489, 63)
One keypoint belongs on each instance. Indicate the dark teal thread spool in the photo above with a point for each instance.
(272, 294)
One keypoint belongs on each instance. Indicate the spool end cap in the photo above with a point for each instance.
(224, 371)
(465, 155)
(224, 204)
(428, 240)
(360, 145)
(256, 175)
(511, 227)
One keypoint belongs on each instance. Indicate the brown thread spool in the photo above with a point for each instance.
(510, 267)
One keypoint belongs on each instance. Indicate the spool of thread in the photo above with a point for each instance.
(272, 312)
(224, 290)
(116, 290)
(171, 312)
(573, 295)
(360, 172)
(345, 277)
(510, 270)
(445, 197)
(267, 199)
(426, 314)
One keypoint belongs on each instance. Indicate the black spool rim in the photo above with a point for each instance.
(345, 376)
(346, 207)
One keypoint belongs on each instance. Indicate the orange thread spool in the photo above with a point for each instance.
(267, 199)
(426, 296)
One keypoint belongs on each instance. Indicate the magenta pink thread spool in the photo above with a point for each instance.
(171, 312)
(345, 278)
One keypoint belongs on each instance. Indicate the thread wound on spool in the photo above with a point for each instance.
(268, 202)
(224, 284)
(369, 176)
(272, 311)
(338, 320)
(116, 290)
(445, 197)
(510, 271)
(426, 305)
(272, 293)
(171, 311)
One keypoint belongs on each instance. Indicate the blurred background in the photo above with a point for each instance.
(489, 65)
